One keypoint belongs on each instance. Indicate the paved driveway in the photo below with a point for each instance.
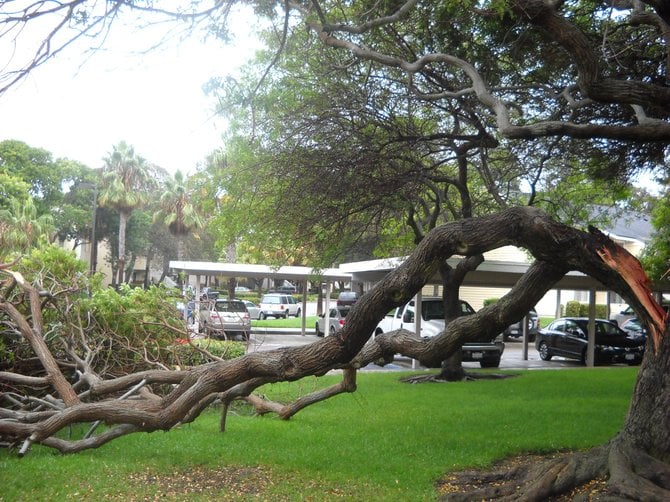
(512, 356)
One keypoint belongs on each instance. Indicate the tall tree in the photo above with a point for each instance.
(125, 183)
(177, 210)
(21, 228)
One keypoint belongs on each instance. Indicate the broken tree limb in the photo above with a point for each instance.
(556, 248)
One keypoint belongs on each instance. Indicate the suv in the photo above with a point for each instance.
(515, 330)
(227, 319)
(287, 289)
(347, 298)
(487, 354)
(278, 305)
(621, 317)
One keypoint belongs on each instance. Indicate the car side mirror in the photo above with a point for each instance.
(408, 317)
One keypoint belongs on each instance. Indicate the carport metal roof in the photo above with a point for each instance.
(258, 271)
(491, 273)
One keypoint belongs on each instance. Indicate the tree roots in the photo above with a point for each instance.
(617, 471)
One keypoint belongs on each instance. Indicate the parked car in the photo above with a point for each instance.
(621, 317)
(337, 319)
(487, 354)
(242, 289)
(287, 288)
(347, 298)
(634, 327)
(516, 330)
(279, 305)
(208, 294)
(568, 337)
(186, 311)
(253, 309)
(227, 319)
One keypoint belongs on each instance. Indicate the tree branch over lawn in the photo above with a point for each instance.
(556, 247)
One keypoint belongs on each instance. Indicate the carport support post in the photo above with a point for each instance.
(303, 311)
(590, 348)
(524, 331)
(196, 303)
(326, 325)
(417, 319)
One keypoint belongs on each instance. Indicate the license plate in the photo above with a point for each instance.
(477, 355)
(629, 357)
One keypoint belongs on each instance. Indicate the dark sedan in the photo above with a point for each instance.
(567, 337)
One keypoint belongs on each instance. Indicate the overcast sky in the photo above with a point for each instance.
(155, 102)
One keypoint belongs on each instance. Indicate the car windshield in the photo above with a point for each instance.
(603, 328)
(432, 310)
(227, 306)
(270, 299)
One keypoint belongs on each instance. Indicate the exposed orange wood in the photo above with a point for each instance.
(629, 268)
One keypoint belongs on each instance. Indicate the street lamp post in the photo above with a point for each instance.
(94, 248)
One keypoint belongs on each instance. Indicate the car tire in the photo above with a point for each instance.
(332, 331)
(543, 349)
(316, 328)
(262, 316)
(297, 313)
(490, 363)
(285, 315)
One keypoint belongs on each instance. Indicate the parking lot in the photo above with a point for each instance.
(512, 357)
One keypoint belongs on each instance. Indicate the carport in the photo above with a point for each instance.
(291, 273)
(490, 273)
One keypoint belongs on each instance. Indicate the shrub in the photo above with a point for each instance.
(601, 311)
(577, 309)
(134, 327)
(195, 353)
(490, 301)
(572, 309)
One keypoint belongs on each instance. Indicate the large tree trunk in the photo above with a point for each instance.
(452, 367)
(123, 223)
(635, 463)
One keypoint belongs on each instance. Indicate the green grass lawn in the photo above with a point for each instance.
(291, 322)
(387, 441)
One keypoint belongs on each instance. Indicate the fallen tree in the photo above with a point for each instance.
(636, 459)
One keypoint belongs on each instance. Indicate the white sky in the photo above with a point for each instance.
(154, 102)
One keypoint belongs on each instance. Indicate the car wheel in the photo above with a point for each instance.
(286, 315)
(262, 316)
(332, 331)
(316, 328)
(490, 363)
(543, 349)
(297, 313)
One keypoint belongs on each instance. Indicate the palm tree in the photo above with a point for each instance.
(176, 210)
(21, 228)
(125, 183)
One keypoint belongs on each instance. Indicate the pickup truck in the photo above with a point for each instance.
(487, 354)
